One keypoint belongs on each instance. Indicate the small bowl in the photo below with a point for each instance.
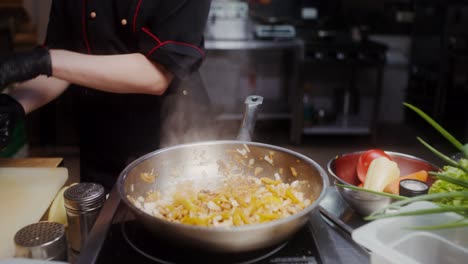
(343, 169)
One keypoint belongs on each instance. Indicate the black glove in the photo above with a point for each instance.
(24, 66)
(11, 111)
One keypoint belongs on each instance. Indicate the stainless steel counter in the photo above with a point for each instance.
(252, 44)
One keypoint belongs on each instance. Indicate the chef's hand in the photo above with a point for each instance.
(24, 66)
(11, 111)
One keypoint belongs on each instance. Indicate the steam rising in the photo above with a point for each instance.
(186, 121)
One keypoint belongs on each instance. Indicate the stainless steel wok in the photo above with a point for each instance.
(198, 163)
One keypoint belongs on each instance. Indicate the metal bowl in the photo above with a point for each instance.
(343, 169)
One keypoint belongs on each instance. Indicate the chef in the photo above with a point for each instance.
(135, 65)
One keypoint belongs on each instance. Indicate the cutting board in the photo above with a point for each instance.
(31, 162)
(25, 195)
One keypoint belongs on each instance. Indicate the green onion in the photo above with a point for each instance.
(442, 156)
(425, 197)
(439, 128)
(455, 224)
(394, 196)
(462, 208)
(380, 214)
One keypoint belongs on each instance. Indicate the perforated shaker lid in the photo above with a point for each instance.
(43, 240)
(84, 196)
(39, 234)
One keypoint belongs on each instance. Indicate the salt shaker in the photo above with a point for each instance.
(43, 240)
(83, 203)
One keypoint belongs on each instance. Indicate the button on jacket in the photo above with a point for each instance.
(115, 128)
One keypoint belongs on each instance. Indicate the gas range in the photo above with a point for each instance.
(117, 238)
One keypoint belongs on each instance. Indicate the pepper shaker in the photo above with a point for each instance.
(82, 203)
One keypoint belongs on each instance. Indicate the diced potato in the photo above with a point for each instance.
(293, 171)
(258, 170)
(243, 152)
(246, 147)
(148, 177)
(277, 177)
(269, 159)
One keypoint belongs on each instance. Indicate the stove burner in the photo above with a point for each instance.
(160, 252)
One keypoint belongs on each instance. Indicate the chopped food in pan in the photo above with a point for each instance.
(250, 193)
(241, 201)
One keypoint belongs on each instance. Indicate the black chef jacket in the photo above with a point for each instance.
(117, 128)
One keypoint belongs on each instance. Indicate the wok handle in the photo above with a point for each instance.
(252, 103)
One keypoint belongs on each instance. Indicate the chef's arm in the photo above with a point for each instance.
(126, 73)
(131, 73)
(37, 92)
(24, 98)
(44, 74)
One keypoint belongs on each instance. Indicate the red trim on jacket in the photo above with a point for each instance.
(160, 43)
(151, 35)
(136, 15)
(85, 34)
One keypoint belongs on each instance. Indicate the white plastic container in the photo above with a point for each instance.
(391, 241)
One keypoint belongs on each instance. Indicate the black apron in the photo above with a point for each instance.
(116, 129)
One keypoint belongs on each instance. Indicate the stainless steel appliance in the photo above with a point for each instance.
(283, 31)
(228, 20)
